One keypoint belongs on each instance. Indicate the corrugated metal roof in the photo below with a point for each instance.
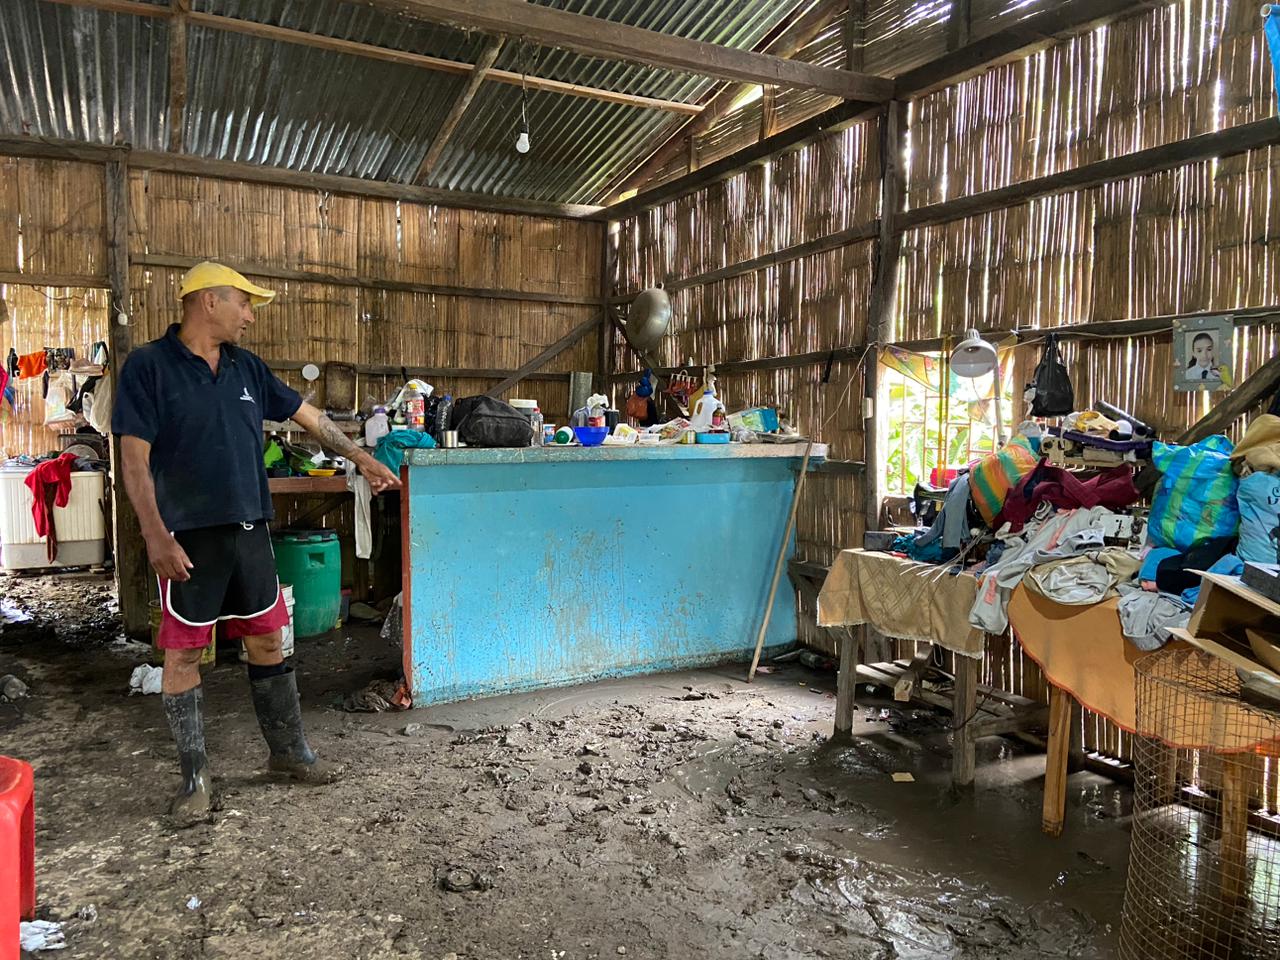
(88, 75)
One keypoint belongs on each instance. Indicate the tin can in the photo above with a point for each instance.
(449, 439)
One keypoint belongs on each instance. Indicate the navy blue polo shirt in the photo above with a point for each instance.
(205, 431)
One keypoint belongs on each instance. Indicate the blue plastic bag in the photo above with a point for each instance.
(1196, 499)
(1259, 499)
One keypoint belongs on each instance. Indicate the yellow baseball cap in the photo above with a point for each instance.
(209, 274)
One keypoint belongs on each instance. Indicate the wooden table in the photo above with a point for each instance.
(335, 487)
(998, 713)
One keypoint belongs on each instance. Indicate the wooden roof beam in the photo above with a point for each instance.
(463, 100)
(797, 35)
(595, 37)
(177, 71)
(369, 51)
(1034, 33)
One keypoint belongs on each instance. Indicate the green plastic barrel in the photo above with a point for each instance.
(311, 560)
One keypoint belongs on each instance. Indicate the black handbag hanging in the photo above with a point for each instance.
(1050, 390)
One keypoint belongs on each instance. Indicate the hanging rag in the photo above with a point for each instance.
(32, 365)
(1259, 448)
(50, 486)
(363, 495)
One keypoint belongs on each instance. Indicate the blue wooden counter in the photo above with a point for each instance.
(543, 566)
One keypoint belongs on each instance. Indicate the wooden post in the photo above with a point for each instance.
(1233, 880)
(883, 294)
(133, 572)
(847, 682)
(177, 72)
(958, 25)
(963, 706)
(1055, 763)
(604, 347)
(768, 110)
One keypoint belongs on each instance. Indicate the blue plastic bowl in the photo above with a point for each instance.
(591, 436)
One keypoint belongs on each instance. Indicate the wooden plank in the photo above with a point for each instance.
(1036, 31)
(794, 35)
(371, 51)
(1221, 143)
(177, 72)
(847, 684)
(1032, 33)
(610, 40)
(833, 241)
(270, 271)
(840, 468)
(550, 353)
(133, 571)
(884, 293)
(958, 25)
(1234, 874)
(793, 138)
(965, 706)
(839, 355)
(1008, 723)
(913, 673)
(484, 63)
(1055, 764)
(390, 370)
(303, 485)
(54, 280)
(330, 504)
(605, 337)
(52, 148)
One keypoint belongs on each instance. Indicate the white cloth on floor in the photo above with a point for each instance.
(1065, 534)
(363, 494)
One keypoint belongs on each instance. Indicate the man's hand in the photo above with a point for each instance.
(378, 474)
(167, 557)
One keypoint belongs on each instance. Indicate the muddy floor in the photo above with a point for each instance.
(678, 816)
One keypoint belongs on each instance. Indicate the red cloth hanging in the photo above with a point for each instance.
(50, 485)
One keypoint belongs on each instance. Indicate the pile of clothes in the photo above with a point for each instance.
(1015, 518)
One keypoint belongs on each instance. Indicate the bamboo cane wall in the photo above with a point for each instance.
(1196, 238)
(53, 285)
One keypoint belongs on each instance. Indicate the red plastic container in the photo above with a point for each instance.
(17, 852)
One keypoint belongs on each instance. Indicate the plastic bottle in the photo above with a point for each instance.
(536, 421)
(704, 410)
(444, 412)
(376, 427)
(415, 408)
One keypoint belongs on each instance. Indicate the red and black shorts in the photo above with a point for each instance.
(233, 579)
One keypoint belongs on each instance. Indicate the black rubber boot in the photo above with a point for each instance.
(185, 713)
(275, 700)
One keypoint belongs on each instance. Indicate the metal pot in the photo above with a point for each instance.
(648, 317)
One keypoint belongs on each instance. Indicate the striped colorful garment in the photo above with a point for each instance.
(996, 474)
(1196, 500)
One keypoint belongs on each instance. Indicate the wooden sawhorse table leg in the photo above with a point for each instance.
(847, 681)
(964, 707)
(1061, 716)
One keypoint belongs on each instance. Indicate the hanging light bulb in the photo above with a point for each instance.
(522, 141)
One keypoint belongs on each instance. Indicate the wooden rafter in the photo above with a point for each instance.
(266, 31)
(610, 40)
(463, 100)
(182, 163)
(1035, 32)
(179, 9)
(794, 36)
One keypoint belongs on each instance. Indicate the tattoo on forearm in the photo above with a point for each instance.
(333, 439)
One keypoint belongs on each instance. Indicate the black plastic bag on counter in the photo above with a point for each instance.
(487, 422)
(1050, 390)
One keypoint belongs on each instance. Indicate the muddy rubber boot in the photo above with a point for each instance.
(275, 700)
(185, 713)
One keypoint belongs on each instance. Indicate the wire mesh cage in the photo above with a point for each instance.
(1204, 860)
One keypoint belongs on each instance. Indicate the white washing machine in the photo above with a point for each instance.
(81, 525)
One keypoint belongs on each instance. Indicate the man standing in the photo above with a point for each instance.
(188, 410)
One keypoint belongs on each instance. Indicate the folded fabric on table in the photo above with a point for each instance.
(391, 447)
(1174, 573)
(1228, 566)
(1088, 578)
(1062, 535)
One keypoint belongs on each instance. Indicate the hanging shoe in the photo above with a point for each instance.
(275, 700)
(185, 713)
